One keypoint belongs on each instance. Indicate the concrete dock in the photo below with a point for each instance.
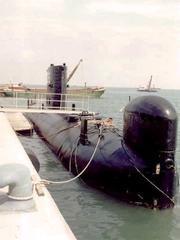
(19, 123)
(43, 220)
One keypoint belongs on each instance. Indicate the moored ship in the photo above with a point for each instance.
(137, 166)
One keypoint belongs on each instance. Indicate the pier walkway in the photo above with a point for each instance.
(43, 220)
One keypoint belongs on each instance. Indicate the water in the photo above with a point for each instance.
(92, 214)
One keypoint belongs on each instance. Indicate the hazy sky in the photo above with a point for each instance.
(121, 42)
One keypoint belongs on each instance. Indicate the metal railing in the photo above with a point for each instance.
(43, 101)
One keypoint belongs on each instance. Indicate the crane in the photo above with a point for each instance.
(73, 71)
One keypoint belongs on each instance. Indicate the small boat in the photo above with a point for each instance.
(149, 87)
(8, 90)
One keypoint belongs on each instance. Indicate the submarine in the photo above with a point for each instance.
(136, 166)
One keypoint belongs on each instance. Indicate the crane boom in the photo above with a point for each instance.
(73, 71)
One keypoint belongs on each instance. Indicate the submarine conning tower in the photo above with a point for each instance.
(56, 85)
(150, 127)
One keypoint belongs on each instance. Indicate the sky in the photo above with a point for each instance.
(121, 42)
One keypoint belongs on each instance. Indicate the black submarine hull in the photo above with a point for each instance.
(117, 168)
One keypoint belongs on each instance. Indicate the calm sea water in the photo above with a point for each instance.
(91, 214)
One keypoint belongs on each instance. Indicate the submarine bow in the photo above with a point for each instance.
(137, 166)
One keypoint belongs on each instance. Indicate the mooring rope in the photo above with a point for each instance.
(47, 182)
(131, 159)
(63, 130)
